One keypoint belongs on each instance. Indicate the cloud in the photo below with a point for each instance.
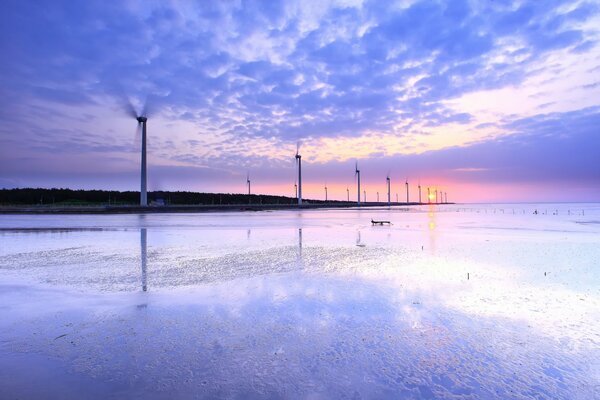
(232, 74)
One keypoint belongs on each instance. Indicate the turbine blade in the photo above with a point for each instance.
(147, 109)
(138, 135)
(129, 108)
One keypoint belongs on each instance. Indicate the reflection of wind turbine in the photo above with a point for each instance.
(387, 179)
(142, 119)
(299, 260)
(357, 175)
(299, 162)
(143, 257)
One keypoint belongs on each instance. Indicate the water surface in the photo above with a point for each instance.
(481, 301)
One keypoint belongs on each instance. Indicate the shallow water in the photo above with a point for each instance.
(478, 301)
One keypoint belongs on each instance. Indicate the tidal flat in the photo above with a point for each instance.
(453, 301)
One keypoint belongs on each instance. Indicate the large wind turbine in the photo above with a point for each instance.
(357, 174)
(387, 179)
(141, 119)
(299, 162)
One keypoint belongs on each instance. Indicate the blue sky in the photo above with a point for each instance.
(488, 100)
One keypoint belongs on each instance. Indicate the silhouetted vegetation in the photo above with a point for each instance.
(62, 197)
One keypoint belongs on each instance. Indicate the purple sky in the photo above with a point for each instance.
(487, 100)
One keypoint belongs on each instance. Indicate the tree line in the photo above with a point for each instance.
(39, 196)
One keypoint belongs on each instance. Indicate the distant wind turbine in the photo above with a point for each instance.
(378, 197)
(387, 179)
(407, 201)
(248, 182)
(357, 175)
(428, 195)
(365, 198)
(419, 192)
(299, 162)
(325, 192)
(348, 193)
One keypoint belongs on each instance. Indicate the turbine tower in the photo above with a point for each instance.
(348, 193)
(295, 189)
(396, 197)
(357, 174)
(248, 182)
(365, 198)
(436, 197)
(378, 197)
(325, 192)
(419, 192)
(446, 195)
(299, 162)
(387, 179)
(406, 183)
(428, 195)
(143, 186)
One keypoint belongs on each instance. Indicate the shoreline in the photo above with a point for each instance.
(42, 209)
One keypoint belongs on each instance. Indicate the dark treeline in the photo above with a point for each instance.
(31, 196)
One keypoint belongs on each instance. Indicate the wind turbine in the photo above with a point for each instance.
(419, 192)
(378, 197)
(357, 174)
(446, 195)
(396, 197)
(436, 197)
(387, 179)
(365, 198)
(406, 183)
(248, 182)
(142, 119)
(348, 194)
(428, 195)
(325, 192)
(299, 162)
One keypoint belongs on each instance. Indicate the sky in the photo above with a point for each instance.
(488, 100)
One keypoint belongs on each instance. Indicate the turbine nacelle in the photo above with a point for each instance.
(141, 119)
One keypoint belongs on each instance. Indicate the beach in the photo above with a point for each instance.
(449, 301)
